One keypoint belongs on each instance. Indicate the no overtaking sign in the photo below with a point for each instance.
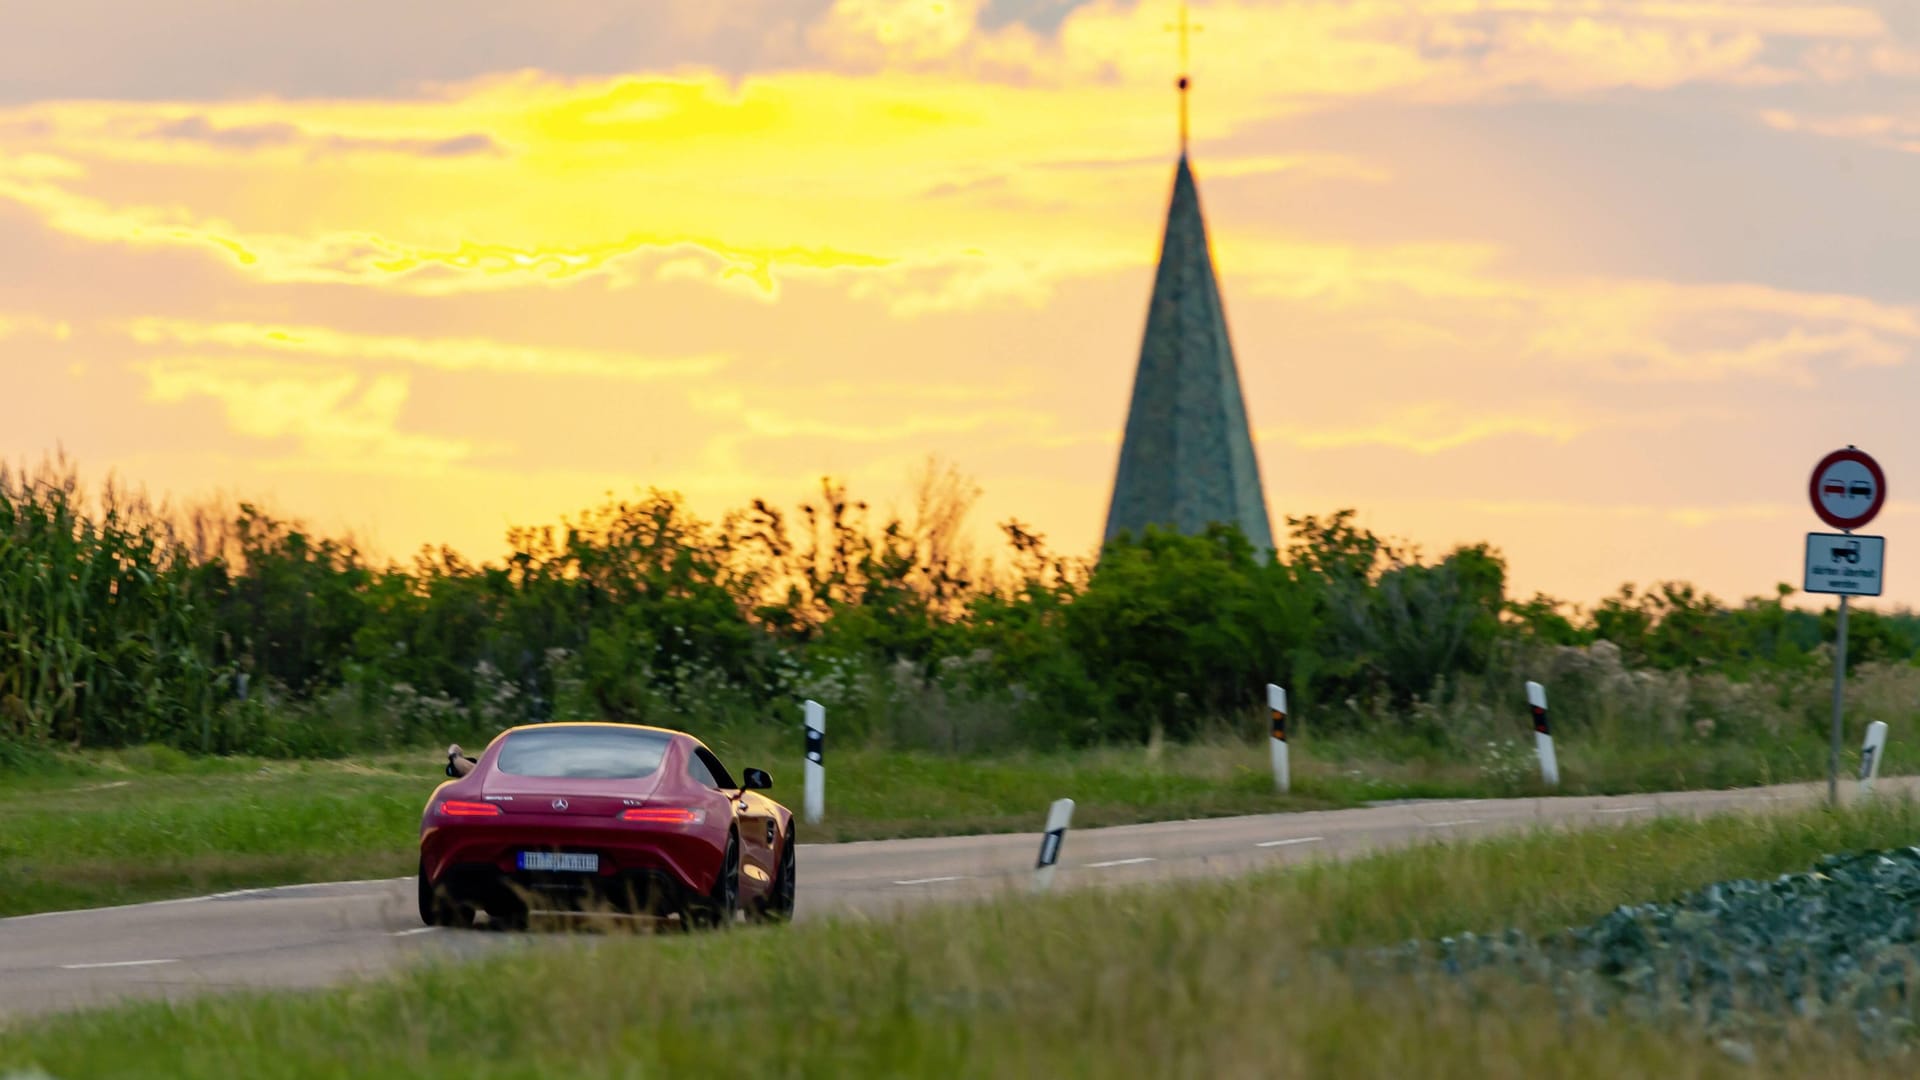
(1848, 489)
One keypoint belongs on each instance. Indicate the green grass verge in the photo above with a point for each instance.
(151, 823)
(1226, 978)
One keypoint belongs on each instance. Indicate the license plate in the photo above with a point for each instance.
(562, 860)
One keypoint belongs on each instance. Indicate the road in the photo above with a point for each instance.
(314, 935)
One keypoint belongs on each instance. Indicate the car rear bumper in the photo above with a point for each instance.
(632, 892)
(638, 866)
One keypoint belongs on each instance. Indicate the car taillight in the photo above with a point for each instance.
(664, 815)
(457, 808)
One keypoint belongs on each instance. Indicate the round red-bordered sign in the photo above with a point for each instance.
(1847, 488)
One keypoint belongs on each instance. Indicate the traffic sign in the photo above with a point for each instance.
(1844, 563)
(1848, 488)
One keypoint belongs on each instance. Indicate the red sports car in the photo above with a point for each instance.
(604, 816)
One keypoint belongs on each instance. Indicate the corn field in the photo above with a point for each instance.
(101, 637)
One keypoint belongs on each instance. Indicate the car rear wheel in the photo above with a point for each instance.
(723, 903)
(778, 906)
(437, 908)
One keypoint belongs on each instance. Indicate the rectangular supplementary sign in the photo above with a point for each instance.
(1844, 563)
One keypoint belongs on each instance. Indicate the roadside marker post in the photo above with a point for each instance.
(1847, 491)
(1277, 708)
(1059, 815)
(816, 767)
(1870, 754)
(1543, 734)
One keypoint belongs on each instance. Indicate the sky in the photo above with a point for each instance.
(1595, 281)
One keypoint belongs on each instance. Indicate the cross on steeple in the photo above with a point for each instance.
(1184, 83)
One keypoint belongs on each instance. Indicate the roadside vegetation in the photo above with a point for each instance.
(1259, 976)
(227, 630)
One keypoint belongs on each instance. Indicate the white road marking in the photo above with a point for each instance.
(1624, 810)
(415, 930)
(925, 880)
(1445, 824)
(268, 890)
(1289, 842)
(116, 964)
(1119, 862)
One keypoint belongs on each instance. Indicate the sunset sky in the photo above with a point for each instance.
(1594, 280)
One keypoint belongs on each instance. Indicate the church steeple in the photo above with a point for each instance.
(1187, 460)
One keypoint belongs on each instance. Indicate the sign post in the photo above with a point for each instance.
(1847, 490)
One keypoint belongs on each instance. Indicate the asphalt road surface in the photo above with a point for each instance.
(314, 935)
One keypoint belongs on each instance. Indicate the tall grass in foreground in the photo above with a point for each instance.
(1236, 978)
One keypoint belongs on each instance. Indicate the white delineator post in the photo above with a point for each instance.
(1543, 735)
(1277, 707)
(1870, 752)
(816, 789)
(1058, 817)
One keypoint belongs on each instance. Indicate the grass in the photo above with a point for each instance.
(1227, 978)
(151, 823)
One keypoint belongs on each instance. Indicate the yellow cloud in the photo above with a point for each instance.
(34, 325)
(444, 354)
(529, 180)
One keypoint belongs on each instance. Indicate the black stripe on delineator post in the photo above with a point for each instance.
(1280, 724)
(1866, 762)
(816, 745)
(1540, 721)
(1050, 848)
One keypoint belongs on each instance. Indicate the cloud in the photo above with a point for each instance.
(198, 128)
(442, 354)
(337, 418)
(1433, 427)
(1646, 331)
(858, 425)
(531, 179)
(1890, 131)
(22, 325)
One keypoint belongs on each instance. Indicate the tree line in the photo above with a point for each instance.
(123, 621)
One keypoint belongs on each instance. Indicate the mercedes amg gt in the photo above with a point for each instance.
(597, 817)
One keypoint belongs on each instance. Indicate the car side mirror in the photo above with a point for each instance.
(755, 780)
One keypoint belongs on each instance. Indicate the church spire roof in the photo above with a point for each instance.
(1187, 460)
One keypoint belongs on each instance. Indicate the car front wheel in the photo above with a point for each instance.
(778, 906)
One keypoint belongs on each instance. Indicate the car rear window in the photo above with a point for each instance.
(582, 753)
